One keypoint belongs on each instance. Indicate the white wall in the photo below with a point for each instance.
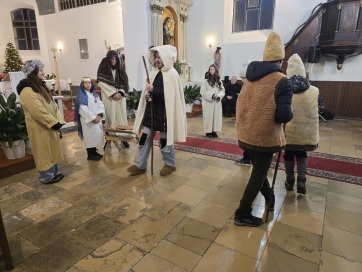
(7, 33)
(214, 20)
(137, 30)
(95, 23)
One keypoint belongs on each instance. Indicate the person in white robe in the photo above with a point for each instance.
(212, 92)
(113, 81)
(166, 113)
(88, 114)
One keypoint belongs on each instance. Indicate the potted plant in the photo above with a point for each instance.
(191, 94)
(12, 128)
(133, 99)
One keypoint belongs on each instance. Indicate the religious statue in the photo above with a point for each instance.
(217, 58)
(167, 34)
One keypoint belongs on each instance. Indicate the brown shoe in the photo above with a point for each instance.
(134, 170)
(166, 170)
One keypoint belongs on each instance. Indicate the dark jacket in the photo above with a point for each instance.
(159, 108)
(263, 105)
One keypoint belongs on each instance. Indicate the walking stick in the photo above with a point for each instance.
(151, 105)
(272, 187)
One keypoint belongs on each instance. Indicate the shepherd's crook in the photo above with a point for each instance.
(272, 187)
(151, 105)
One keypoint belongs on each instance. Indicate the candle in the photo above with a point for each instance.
(53, 81)
(190, 64)
(69, 80)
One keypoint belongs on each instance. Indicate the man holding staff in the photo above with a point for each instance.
(165, 114)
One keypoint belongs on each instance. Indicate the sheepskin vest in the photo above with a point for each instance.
(302, 133)
(256, 126)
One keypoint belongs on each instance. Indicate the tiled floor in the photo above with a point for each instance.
(100, 219)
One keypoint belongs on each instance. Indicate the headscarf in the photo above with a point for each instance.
(104, 73)
(82, 99)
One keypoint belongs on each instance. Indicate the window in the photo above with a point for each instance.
(253, 15)
(69, 4)
(25, 30)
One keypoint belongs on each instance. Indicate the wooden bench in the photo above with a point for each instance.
(119, 134)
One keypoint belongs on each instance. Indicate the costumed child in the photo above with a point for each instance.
(88, 115)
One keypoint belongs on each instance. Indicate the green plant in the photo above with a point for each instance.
(178, 66)
(191, 93)
(133, 99)
(52, 76)
(12, 121)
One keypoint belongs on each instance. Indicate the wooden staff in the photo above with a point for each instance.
(149, 100)
(272, 187)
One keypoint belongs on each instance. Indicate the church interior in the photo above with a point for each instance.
(100, 218)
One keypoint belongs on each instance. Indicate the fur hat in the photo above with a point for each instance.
(30, 65)
(274, 48)
(295, 66)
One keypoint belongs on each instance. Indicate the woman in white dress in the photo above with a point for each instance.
(212, 92)
(88, 115)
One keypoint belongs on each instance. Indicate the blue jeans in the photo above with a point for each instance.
(168, 152)
(47, 175)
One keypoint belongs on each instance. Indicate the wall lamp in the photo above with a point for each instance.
(210, 41)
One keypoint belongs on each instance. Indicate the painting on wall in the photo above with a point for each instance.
(168, 27)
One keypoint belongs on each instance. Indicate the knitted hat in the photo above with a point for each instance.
(30, 65)
(274, 48)
(295, 66)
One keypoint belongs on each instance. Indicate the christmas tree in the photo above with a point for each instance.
(13, 62)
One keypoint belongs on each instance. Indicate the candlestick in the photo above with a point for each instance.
(71, 93)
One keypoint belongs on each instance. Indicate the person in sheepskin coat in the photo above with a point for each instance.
(302, 133)
(169, 114)
(263, 105)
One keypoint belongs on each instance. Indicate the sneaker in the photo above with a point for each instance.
(247, 220)
(244, 162)
(166, 170)
(134, 170)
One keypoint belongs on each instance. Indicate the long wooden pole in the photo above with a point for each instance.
(54, 50)
(151, 105)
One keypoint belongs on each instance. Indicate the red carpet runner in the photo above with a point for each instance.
(322, 165)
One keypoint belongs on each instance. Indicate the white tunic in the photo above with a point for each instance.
(211, 109)
(92, 132)
(116, 111)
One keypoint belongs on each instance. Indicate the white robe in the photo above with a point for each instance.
(211, 109)
(174, 96)
(92, 132)
(116, 111)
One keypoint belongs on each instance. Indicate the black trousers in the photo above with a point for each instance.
(258, 180)
(228, 106)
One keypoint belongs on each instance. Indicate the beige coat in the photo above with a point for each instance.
(211, 109)
(174, 96)
(40, 117)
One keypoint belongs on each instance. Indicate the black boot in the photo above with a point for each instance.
(301, 185)
(91, 154)
(290, 179)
